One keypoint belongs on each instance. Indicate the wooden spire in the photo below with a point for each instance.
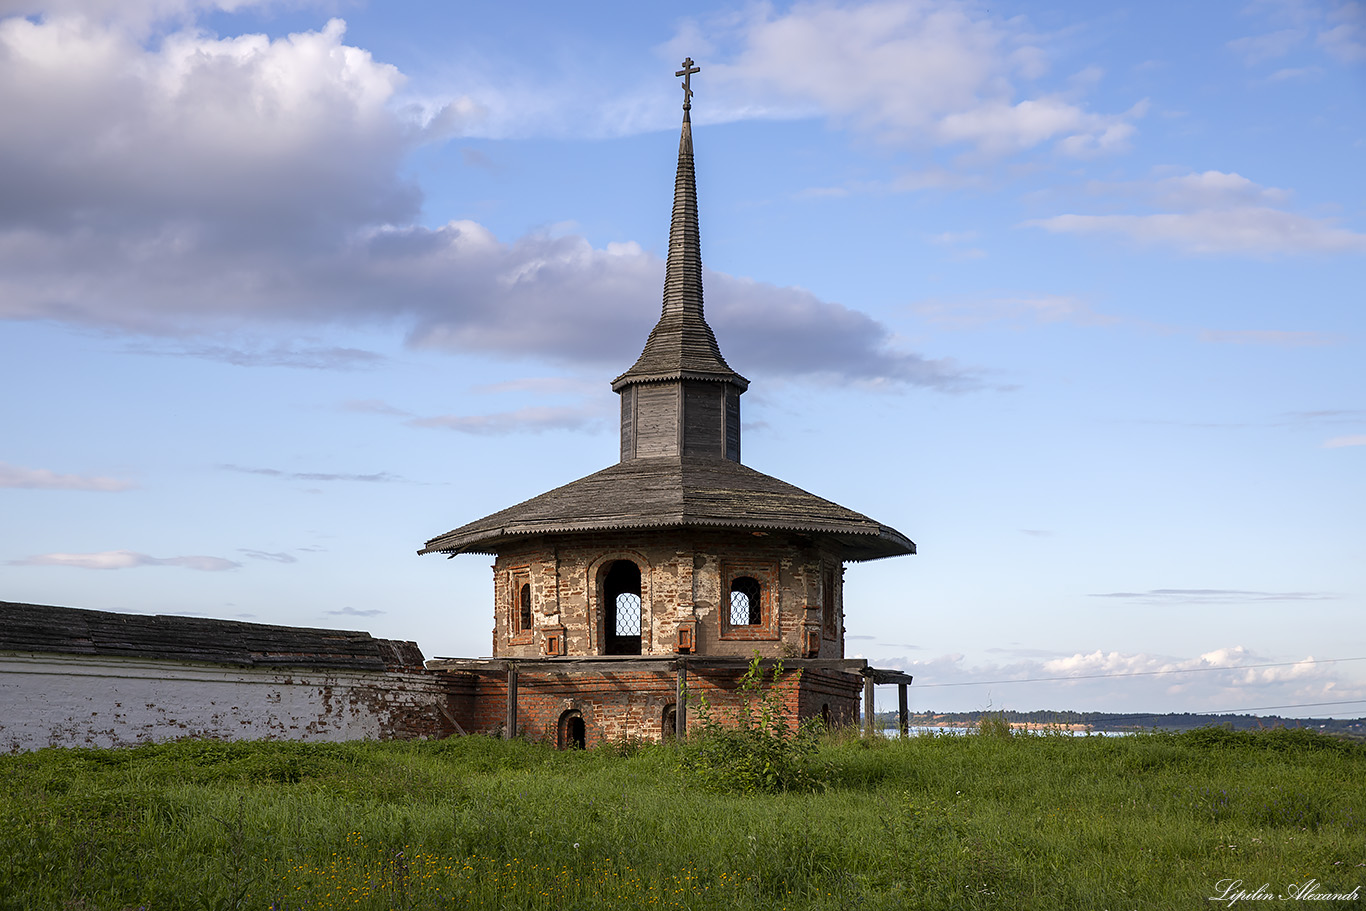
(682, 344)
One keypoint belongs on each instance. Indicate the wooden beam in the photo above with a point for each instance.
(681, 702)
(510, 728)
(904, 718)
(869, 722)
(882, 675)
(600, 664)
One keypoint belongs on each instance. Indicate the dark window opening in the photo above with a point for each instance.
(669, 723)
(746, 602)
(828, 603)
(573, 733)
(825, 714)
(526, 607)
(621, 602)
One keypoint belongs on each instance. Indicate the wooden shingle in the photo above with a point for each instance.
(681, 493)
(71, 631)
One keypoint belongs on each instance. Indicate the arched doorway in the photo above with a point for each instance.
(621, 608)
(669, 722)
(573, 734)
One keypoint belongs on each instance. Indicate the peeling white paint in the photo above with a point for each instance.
(77, 701)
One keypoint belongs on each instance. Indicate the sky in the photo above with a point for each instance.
(1071, 294)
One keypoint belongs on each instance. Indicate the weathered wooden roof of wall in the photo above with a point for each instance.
(677, 493)
(73, 631)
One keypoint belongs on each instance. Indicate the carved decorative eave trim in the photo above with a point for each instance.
(629, 379)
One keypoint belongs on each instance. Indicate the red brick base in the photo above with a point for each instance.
(620, 706)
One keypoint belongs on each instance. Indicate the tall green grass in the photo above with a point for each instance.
(1032, 822)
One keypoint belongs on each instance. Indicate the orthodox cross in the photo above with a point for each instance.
(686, 73)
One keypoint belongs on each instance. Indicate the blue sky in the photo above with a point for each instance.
(1070, 294)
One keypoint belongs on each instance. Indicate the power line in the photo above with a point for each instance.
(1189, 670)
(1298, 705)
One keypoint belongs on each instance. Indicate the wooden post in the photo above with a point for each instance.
(681, 701)
(869, 722)
(510, 727)
(904, 722)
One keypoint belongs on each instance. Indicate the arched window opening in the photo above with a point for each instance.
(573, 734)
(669, 722)
(525, 599)
(828, 602)
(746, 602)
(621, 603)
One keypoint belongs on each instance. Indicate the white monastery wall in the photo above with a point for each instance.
(89, 701)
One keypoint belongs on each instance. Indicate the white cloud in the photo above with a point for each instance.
(1219, 680)
(1255, 49)
(1002, 128)
(1356, 439)
(1171, 596)
(373, 406)
(1345, 37)
(907, 71)
(1255, 231)
(1296, 72)
(352, 612)
(953, 237)
(1210, 213)
(278, 354)
(207, 186)
(1281, 338)
(542, 386)
(1337, 27)
(272, 556)
(95, 129)
(45, 479)
(134, 15)
(125, 559)
(535, 419)
(1047, 308)
(380, 477)
(1212, 190)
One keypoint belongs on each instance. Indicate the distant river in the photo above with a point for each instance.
(927, 729)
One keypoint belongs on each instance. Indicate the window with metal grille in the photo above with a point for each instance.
(746, 602)
(628, 615)
(622, 619)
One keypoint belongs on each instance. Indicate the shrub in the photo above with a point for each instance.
(993, 724)
(761, 752)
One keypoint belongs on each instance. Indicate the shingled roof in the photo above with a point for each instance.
(677, 493)
(104, 634)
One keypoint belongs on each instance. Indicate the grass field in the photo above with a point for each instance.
(982, 821)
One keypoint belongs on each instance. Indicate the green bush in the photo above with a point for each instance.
(760, 751)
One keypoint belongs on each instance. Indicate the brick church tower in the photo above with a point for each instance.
(669, 570)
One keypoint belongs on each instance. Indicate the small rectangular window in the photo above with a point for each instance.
(829, 605)
(520, 614)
